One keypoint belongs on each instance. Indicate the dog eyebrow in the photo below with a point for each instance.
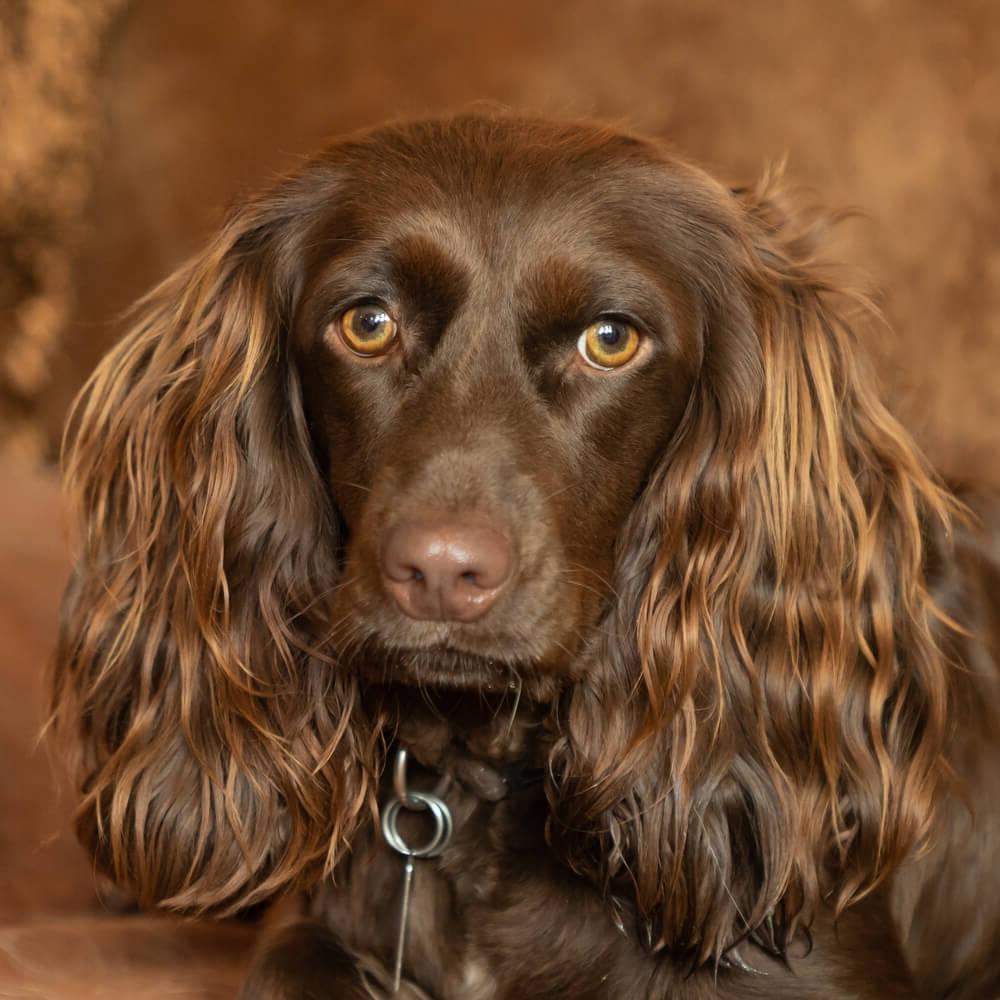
(411, 271)
(430, 280)
(561, 293)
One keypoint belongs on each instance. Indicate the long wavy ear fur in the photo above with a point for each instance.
(761, 731)
(219, 752)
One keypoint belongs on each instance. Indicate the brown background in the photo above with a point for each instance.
(892, 107)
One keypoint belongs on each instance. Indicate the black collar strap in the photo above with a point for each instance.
(519, 775)
(484, 779)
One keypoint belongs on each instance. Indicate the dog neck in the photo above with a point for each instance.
(487, 742)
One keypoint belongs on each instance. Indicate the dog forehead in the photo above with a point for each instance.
(497, 177)
(508, 237)
(473, 152)
(491, 247)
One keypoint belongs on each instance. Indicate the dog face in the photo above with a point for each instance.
(481, 401)
(494, 342)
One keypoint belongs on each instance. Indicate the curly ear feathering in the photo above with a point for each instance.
(525, 445)
(764, 726)
(222, 758)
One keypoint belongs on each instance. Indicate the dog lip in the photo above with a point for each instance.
(448, 651)
(447, 666)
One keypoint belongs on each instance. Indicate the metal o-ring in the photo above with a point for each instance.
(442, 825)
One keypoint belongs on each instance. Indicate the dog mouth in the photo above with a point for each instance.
(447, 665)
(532, 650)
(440, 662)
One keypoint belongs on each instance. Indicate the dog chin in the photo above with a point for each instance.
(448, 666)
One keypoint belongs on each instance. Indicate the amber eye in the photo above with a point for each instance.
(367, 330)
(608, 343)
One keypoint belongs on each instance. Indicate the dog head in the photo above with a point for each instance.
(479, 399)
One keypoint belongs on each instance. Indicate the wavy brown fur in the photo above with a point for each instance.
(787, 745)
(724, 621)
(221, 757)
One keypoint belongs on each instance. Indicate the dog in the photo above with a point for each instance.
(496, 533)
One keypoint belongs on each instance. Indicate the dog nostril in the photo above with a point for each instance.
(446, 567)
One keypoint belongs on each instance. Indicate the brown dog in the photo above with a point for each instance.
(533, 450)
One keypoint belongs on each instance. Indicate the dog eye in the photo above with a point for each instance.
(608, 344)
(367, 330)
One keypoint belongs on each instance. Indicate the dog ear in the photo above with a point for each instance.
(218, 747)
(762, 730)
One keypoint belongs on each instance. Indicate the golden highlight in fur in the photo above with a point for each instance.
(758, 727)
(221, 757)
(767, 731)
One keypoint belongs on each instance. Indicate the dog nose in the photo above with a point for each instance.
(445, 568)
